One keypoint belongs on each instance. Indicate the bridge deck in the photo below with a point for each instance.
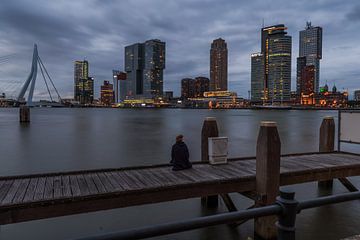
(24, 198)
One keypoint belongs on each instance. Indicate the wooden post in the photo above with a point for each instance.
(268, 150)
(24, 114)
(326, 144)
(209, 129)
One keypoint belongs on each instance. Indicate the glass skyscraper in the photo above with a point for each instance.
(257, 77)
(144, 65)
(310, 51)
(273, 83)
(81, 72)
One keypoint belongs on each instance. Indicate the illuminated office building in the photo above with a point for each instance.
(310, 53)
(86, 91)
(276, 50)
(218, 65)
(107, 93)
(187, 88)
(257, 77)
(144, 66)
(81, 72)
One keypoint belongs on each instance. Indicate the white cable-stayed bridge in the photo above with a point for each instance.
(11, 87)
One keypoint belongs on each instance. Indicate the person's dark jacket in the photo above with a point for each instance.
(180, 156)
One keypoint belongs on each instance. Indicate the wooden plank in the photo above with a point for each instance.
(5, 187)
(40, 188)
(90, 183)
(66, 188)
(132, 179)
(57, 187)
(19, 196)
(100, 187)
(122, 181)
(30, 192)
(84, 189)
(153, 182)
(114, 182)
(74, 185)
(108, 186)
(11, 193)
(49, 188)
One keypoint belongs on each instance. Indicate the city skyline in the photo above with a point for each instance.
(61, 43)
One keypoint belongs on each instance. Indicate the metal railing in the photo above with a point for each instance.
(286, 208)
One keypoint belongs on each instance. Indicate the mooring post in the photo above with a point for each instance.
(24, 114)
(268, 151)
(209, 129)
(326, 144)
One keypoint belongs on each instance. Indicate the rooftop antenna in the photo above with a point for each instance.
(263, 22)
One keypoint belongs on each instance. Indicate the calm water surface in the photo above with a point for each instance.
(77, 139)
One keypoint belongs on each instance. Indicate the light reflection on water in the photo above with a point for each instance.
(74, 139)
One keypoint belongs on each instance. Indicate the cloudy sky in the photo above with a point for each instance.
(98, 30)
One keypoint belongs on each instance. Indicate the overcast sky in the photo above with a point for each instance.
(98, 30)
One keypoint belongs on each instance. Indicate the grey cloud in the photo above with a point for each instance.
(99, 30)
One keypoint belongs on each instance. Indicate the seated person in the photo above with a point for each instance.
(180, 155)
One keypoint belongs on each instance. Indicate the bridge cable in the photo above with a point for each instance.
(50, 79)
(42, 73)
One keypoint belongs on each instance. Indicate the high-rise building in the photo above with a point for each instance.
(120, 85)
(107, 93)
(194, 88)
(187, 88)
(144, 65)
(86, 90)
(276, 49)
(81, 72)
(310, 48)
(218, 65)
(257, 77)
(202, 84)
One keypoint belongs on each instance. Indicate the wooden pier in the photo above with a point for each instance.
(31, 197)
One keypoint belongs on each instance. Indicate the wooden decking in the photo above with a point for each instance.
(24, 198)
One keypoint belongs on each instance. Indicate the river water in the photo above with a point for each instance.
(75, 139)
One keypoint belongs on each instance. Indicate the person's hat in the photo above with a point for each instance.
(179, 137)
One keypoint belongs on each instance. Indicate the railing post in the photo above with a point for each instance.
(326, 144)
(268, 151)
(286, 220)
(24, 112)
(209, 129)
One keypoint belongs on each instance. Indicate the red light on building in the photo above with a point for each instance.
(121, 76)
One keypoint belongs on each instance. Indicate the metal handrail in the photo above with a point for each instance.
(286, 208)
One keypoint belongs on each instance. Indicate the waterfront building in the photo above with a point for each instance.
(334, 98)
(278, 64)
(202, 84)
(257, 78)
(307, 87)
(273, 83)
(86, 91)
(310, 52)
(187, 88)
(218, 65)
(107, 95)
(119, 83)
(357, 95)
(144, 65)
(168, 95)
(81, 73)
(194, 88)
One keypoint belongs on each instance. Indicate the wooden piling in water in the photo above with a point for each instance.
(268, 152)
(326, 144)
(24, 113)
(209, 129)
